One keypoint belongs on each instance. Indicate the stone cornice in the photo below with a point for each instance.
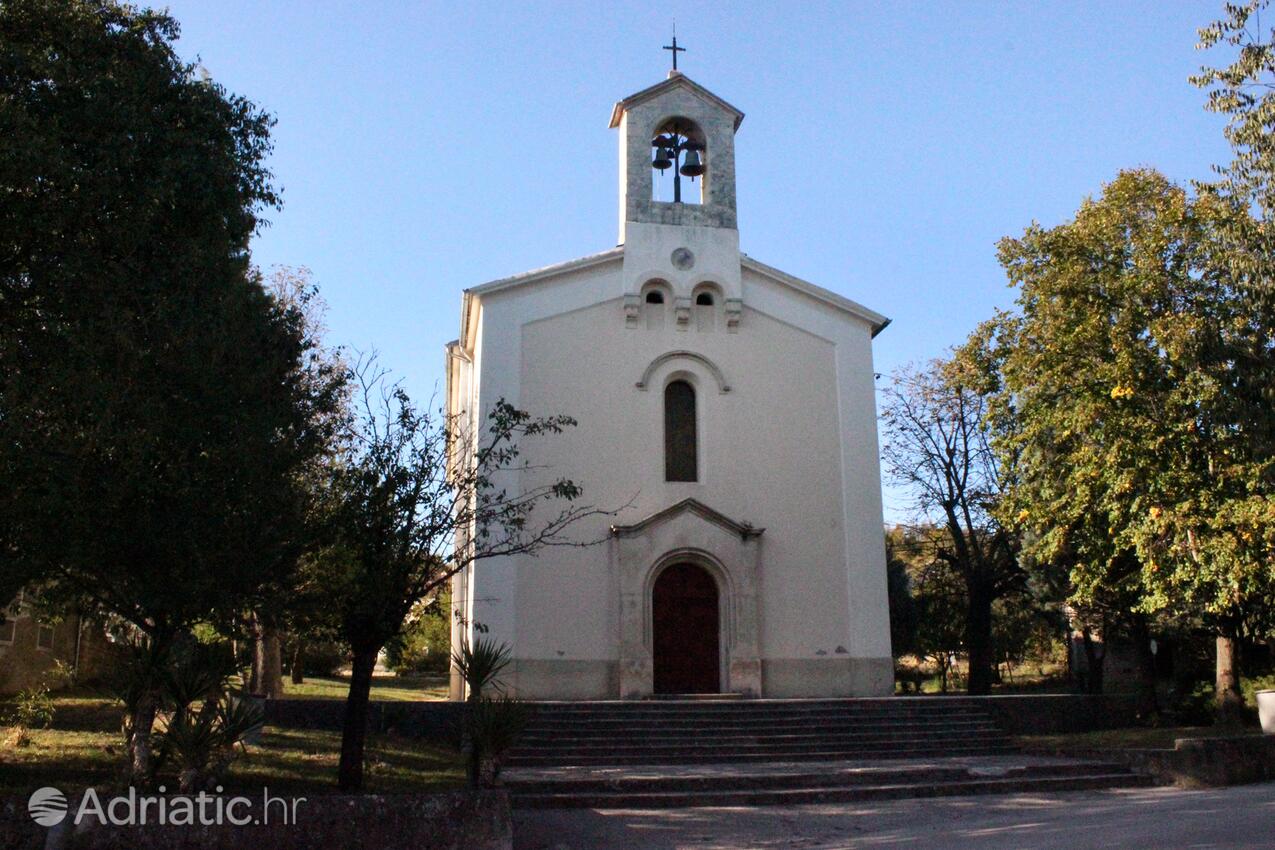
(703, 511)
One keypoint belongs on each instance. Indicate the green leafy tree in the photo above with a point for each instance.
(156, 407)
(1142, 447)
(416, 499)
(903, 608)
(1244, 91)
(942, 608)
(1072, 561)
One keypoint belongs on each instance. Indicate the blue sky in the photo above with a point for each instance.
(427, 147)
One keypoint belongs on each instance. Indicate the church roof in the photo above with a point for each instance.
(877, 321)
(743, 529)
(469, 317)
(676, 79)
(827, 296)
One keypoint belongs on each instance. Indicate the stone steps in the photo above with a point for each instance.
(694, 731)
(676, 753)
(758, 794)
(717, 777)
(713, 743)
(722, 730)
(896, 751)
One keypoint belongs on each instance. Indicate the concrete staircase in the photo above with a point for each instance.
(677, 753)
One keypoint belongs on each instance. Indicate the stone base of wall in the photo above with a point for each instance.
(439, 721)
(835, 676)
(455, 821)
(1209, 762)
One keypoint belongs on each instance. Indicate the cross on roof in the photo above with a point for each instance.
(673, 47)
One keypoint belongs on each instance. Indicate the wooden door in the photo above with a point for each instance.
(686, 630)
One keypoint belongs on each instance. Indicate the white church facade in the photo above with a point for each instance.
(727, 405)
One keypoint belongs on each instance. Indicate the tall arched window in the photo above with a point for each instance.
(680, 460)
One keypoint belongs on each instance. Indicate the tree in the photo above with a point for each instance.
(155, 408)
(1135, 368)
(938, 445)
(416, 499)
(1245, 92)
(1071, 559)
(294, 605)
(903, 607)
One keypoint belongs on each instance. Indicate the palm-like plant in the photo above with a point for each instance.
(492, 724)
(480, 664)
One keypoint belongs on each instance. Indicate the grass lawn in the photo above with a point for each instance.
(387, 688)
(1134, 738)
(85, 747)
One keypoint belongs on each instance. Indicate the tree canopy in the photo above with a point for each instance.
(1134, 371)
(157, 405)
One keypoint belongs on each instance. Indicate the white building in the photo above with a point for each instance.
(729, 405)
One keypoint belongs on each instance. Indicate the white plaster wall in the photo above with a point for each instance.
(771, 454)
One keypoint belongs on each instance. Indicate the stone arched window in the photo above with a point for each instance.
(681, 456)
(657, 299)
(706, 297)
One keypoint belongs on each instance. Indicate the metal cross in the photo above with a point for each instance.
(673, 47)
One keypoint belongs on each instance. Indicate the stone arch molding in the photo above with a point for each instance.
(726, 589)
(722, 386)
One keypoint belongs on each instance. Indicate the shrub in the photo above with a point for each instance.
(60, 675)
(495, 723)
(324, 658)
(32, 709)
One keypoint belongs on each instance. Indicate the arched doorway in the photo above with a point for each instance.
(686, 631)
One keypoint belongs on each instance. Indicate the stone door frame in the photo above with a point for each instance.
(689, 532)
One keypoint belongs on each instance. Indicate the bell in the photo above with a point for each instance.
(663, 159)
(692, 167)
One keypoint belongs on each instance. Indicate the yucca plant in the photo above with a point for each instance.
(480, 664)
(492, 724)
(202, 742)
(495, 725)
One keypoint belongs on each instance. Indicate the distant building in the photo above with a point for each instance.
(30, 647)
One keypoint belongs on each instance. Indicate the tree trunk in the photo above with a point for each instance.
(139, 741)
(354, 726)
(267, 661)
(978, 639)
(1148, 705)
(271, 664)
(1073, 675)
(1093, 662)
(298, 656)
(1230, 702)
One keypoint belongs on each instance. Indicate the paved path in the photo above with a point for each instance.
(1153, 818)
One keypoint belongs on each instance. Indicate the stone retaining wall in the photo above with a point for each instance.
(437, 720)
(1053, 714)
(1209, 762)
(453, 821)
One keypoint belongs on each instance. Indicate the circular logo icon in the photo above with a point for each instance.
(47, 806)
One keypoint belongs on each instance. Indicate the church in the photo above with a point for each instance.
(727, 405)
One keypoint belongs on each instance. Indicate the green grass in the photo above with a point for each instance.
(1134, 738)
(85, 747)
(386, 688)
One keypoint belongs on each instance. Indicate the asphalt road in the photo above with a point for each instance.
(1152, 818)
